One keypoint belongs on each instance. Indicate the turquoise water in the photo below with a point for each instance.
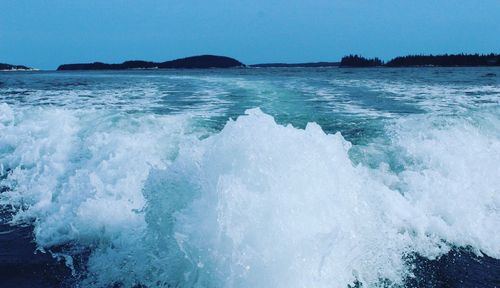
(253, 177)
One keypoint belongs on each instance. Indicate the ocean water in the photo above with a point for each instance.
(253, 177)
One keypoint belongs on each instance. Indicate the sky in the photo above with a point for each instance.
(46, 33)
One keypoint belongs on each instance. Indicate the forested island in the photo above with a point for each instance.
(10, 67)
(446, 60)
(194, 62)
(350, 61)
(359, 61)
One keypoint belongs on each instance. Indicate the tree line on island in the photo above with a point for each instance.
(350, 61)
(10, 67)
(194, 62)
(446, 60)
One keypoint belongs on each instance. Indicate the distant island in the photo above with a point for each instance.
(446, 60)
(353, 61)
(296, 65)
(10, 67)
(349, 61)
(194, 62)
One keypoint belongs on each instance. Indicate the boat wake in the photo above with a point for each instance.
(158, 203)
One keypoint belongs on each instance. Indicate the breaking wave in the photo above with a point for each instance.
(157, 203)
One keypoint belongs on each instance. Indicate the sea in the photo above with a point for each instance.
(256, 177)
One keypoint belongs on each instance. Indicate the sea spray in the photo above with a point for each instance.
(279, 206)
(256, 204)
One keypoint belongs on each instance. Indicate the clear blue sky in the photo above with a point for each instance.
(46, 33)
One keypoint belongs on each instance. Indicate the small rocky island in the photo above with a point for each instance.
(194, 62)
(10, 67)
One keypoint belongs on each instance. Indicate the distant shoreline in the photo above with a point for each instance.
(351, 61)
(14, 68)
(446, 60)
(193, 62)
(223, 62)
(296, 65)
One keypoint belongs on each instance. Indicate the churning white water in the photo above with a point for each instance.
(159, 201)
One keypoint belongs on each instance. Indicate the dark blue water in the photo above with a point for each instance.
(251, 177)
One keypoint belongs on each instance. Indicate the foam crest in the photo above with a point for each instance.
(453, 179)
(6, 114)
(257, 204)
(282, 207)
(78, 175)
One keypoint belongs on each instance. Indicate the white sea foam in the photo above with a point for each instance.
(453, 179)
(438, 97)
(79, 175)
(6, 114)
(255, 205)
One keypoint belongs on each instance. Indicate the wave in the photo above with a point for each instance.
(256, 204)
